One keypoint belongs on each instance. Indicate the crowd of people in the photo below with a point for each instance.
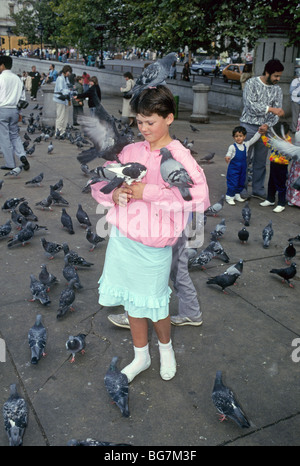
(138, 264)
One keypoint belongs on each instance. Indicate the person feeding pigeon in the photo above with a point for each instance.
(236, 158)
(147, 218)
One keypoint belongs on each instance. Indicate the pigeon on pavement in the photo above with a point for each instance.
(267, 234)
(51, 248)
(116, 384)
(289, 252)
(15, 415)
(36, 181)
(67, 222)
(66, 299)
(223, 280)
(57, 199)
(236, 268)
(174, 173)
(93, 238)
(243, 235)
(76, 344)
(23, 237)
(296, 238)
(286, 273)
(219, 229)
(69, 272)
(37, 338)
(47, 278)
(124, 173)
(83, 217)
(27, 212)
(246, 214)
(10, 204)
(14, 172)
(226, 403)
(39, 291)
(58, 186)
(45, 203)
(215, 209)
(74, 258)
(208, 158)
(5, 229)
(203, 258)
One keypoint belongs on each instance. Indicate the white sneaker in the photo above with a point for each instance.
(266, 203)
(239, 198)
(278, 209)
(230, 200)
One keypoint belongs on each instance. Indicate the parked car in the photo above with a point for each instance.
(206, 67)
(233, 72)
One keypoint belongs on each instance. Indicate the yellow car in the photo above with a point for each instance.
(233, 72)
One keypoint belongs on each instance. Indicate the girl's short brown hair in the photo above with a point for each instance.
(152, 100)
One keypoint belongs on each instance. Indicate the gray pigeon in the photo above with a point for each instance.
(267, 234)
(83, 217)
(14, 172)
(124, 173)
(215, 209)
(155, 74)
(236, 268)
(47, 278)
(69, 272)
(5, 229)
(218, 249)
(57, 198)
(116, 384)
(226, 403)
(208, 158)
(39, 291)
(18, 219)
(93, 238)
(10, 204)
(37, 338)
(66, 299)
(45, 203)
(286, 273)
(23, 237)
(203, 258)
(76, 344)
(27, 212)
(15, 415)
(51, 248)
(219, 229)
(50, 147)
(74, 258)
(67, 222)
(37, 180)
(58, 186)
(174, 173)
(246, 214)
(223, 280)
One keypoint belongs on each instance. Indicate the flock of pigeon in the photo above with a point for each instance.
(108, 137)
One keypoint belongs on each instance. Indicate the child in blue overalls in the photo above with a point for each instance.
(236, 158)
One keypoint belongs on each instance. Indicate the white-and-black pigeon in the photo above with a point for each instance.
(51, 248)
(37, 339)
(226, 403)
(174, 173)
(83, 217)
(116, 384)
(11, 203)
(39, 291)
(124, 173)
(76, 344)
(15, 415)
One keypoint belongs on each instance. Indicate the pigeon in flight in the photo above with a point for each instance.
(289, 252)
(66, 299)
(174, 173)
(67, 222)
(215, 209)
(37, 338)
(226, 403)
(292, 151)
(39, 291)
(154, 75)
(37, 180)
(107, 141)
(223, 280)
(116, 384)
(286, 273)
(267, 234)
(246, 214)
(76, 344)
(124, 173)
(15, 415)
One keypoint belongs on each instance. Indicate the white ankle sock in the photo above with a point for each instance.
(140, 363)
(167, 360)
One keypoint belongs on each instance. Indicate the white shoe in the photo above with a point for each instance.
(266, 203)
(230, 200)
(278, 209)
(239, 198)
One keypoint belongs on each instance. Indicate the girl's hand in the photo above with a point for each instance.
(227, 159)
(137, 190)
(121, 196)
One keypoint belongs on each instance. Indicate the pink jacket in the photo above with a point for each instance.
(160, 217)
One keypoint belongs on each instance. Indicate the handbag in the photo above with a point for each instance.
(22, 104)
(127, 95)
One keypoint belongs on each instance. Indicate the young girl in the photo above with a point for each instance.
(236, 158)
(93, 94)
(147, 218)
(278, 171)
(292, 194)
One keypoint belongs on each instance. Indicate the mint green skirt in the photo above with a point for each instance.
(137, 277)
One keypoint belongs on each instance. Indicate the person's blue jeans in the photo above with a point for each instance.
(10, 141)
